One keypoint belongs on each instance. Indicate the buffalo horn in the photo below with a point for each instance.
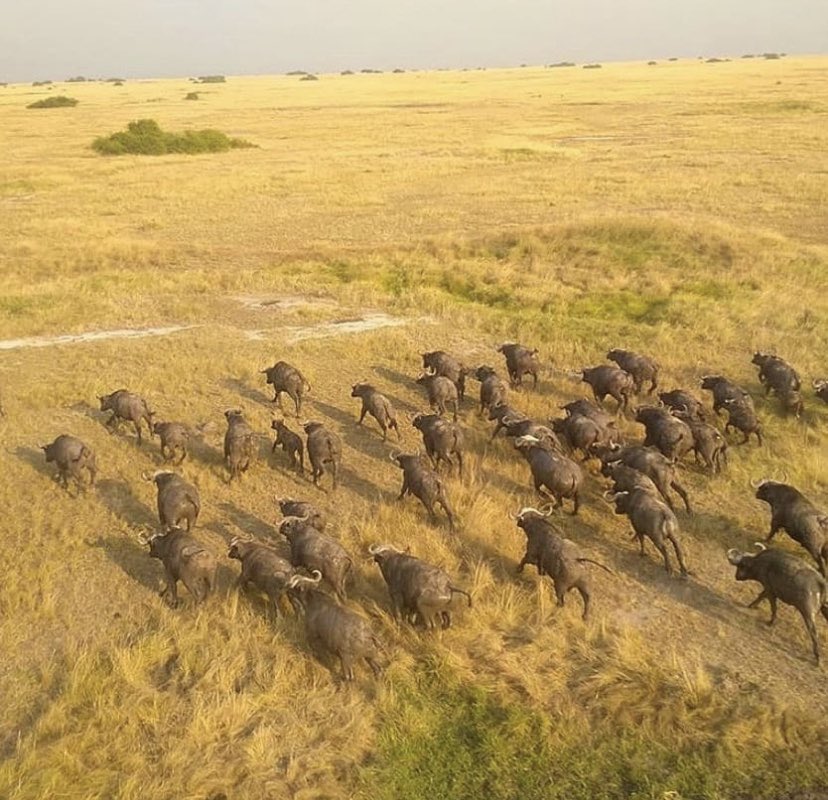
(760, 546)
(734, 556)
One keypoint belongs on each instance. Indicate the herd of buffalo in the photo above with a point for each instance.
(641, 478)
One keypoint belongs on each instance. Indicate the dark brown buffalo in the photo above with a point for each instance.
(787, 578)
(126, 407)
(335, 630)
(417, 588)
(72, 457)
(555, 556)
(185, 560)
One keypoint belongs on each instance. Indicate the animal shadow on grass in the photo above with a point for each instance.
(249, 523)
(253, 395)
(396, 377)
(133, 559)
(367, 437)
(118, 497)
(90, 411)
(36, 459)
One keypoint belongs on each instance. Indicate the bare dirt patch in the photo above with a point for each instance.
(91, 336)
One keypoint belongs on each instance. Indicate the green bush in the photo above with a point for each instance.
(145, 137)
(58, 101)
(191, 96)
(212, 79)
(309, 78)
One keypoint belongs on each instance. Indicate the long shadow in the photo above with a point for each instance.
(89, 411)
(200, 450)
(248, 393)
(367, 437)
(249, 523)
(133, 559)
(36, 459)
(395, 377)
(118, 497)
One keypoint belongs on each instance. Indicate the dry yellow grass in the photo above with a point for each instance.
(679, 209)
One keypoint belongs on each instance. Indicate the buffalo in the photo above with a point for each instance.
(792, 512)
(174, 437)
(416, 587)
(641, 368)
(787, 578)
(424, 483)
(377, 405)
(520, 361)
(314, 550)
(291, 443)
(324, 450)
(650, 462)
(300, 508)
(335, 630)
(554, 556)
(240, 444)
(682, 401)
(441, 392)
(821, 389)
(178, 501)
(742, 417)
(672, 436)
(553, 474)
(493, 389)
(651, 519)
(709, 445)
(724, 390)
(185, 560)
(776, 374)
(605, 380)
(262, 566)
(441, 363)
(126, 407)
(284, 377)
(72, 457)
(442, 439)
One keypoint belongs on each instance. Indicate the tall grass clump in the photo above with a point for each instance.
(145, 137)
(58, 101)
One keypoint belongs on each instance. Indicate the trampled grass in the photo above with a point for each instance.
(679, 209)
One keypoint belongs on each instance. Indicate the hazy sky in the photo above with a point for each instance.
(56, 39)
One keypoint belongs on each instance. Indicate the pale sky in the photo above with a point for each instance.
(57, 39)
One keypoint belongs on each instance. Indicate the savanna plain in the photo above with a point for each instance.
(677, 209)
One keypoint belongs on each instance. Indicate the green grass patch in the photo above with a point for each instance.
(623, 305)
(449, 739)
(57, 101)
(145, 137)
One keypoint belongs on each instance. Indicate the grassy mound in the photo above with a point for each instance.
(58, 101)
(145, 137)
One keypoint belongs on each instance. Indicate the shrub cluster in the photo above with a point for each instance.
(211, 79)
(57, 101)
(145, 137)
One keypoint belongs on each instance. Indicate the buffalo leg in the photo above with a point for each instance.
(583, 589)
(170, 591)
(663, 550)
(137, 424)
(362, 415)
(679, 489)
(347, 666)
(810, 624)
(405, 489)
(762, 596)
(679, 556)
